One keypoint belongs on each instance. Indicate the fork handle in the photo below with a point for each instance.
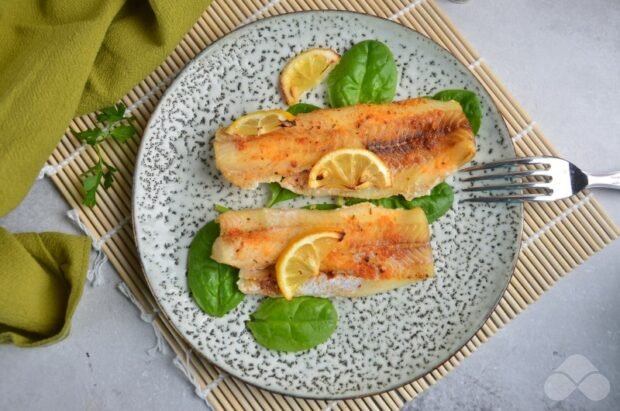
(611, 180)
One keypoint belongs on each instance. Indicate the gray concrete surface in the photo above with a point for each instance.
(561, 60)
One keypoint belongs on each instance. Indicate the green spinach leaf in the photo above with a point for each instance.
(213, 285)
(279, 194)
(220, 208)
(468, 101)
(324, 206)
(296, 325)
(366, 73)
(435, 204)
(301, 108)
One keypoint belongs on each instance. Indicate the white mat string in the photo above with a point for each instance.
(147, 317)
(555, 221)
(259, 12)
(97, 244)
(144, 316)
(476, 63)
(405, 10)
(94, 275)
(523, 132)
(165, 82)
(49, 170)
(184, 366)
(330, 405)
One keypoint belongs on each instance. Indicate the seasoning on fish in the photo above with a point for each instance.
(421, 141)
(380, 249)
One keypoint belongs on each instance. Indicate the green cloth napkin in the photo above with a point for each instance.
(41, 281)
(58, 59)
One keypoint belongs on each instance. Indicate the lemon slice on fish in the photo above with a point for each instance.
(350, 168)
(260, 122)
(301, 260)
(305, 71)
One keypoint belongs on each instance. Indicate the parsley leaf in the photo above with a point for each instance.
(112, 123)
(90, 136)
(123, 133)
(91, 182)
(92, 179)
(108, 178)
(112, 114)
(90, 198)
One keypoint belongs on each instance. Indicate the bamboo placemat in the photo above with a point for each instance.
(557, 236)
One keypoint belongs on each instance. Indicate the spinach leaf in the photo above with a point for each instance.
(213, 285)
(468, 101)
(279, 194)
(324, 206)
(388, 202)
(301, 108)
(435, 204)
(220, 208)
(296, 325)
(365, 74)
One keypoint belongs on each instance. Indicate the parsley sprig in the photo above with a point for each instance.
(112, 124)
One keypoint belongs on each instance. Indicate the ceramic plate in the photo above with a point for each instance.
(382, 341)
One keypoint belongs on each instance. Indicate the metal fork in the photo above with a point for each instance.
(556, 179)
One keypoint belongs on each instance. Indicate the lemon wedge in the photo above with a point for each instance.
(305, 71)
(350, 168)
(260, 122)
(301, 260)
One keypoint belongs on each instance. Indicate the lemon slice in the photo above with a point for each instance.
(260, 122)
(305, 71)
(350, 168)
(301, 260)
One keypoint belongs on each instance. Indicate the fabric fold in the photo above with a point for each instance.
(41, 281)
(59, 58)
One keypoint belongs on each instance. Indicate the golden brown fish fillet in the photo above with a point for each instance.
(381, 248)
(263, 282)
(422, 141)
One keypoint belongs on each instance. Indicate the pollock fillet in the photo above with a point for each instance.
(422, 141)
(381, 248)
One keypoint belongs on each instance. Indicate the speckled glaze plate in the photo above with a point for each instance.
(382, 341)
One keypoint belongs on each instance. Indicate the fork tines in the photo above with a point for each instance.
(544, 184)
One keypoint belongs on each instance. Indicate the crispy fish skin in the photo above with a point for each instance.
(422, 141)
(381, 248)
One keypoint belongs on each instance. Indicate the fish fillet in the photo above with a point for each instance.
(381, 248)
(422, 141)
